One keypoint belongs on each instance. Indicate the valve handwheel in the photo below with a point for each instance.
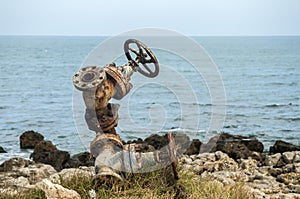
(144, 56)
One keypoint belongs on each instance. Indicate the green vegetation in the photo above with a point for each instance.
(158, 184)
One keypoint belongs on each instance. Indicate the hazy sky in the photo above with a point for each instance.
(110, 17)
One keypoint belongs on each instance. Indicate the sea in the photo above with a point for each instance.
(260, 78)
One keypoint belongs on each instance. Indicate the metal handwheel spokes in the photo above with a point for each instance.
(143, 55)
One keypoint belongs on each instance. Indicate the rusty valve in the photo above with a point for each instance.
(98, 86)
(90, 77)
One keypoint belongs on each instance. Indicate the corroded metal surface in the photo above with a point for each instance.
(89, 78)
(143, 56)
(172, 153)
(122, 84)
(98, 86)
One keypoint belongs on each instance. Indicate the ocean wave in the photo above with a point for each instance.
(286, 130)
(231, 126)
(281, 84)
(289, 119)
(280, 105)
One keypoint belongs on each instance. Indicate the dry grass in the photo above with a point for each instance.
(158, 184)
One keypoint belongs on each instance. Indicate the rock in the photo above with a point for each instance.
(256, 193)
(236, 150)
(182, 142)
(194, 148)
(266, 184)
(44, 146)
(71, 173)
(281, 162)
(288, 168)
(281, 147)
(2, 150)
(53, 191)
(249, 165)
(157, 141)
(14, 186)
(236, 147)
(288, 157)
(29, 139)
(224, 177)
(297, 157)
(17, 167)
(186, 160)
(297, 167)
(272, 160)
(275, 171)
(14, 164)
(81, 159)
(207, 162)
(285, 196)
(18, 176)
(293, 188)
(220, 155)
(289, 178)
(208, 157)
(47, 153)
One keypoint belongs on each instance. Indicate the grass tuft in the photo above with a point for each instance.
(157, 184)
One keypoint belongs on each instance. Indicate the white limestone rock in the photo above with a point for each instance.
(53, 191)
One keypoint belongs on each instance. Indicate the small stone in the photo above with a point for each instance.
(289, 178)
(193, 157)
(297, 167)
(220, 155)
(57, 191)
(211, 157)
(198, 169)
(272, 160)
(194, 147)
(297, 157)
(222, 176)
(264, 169)
(29, 139)
(275, 171)
(187, 160)
(293, 188)
(288, 157)
(257, 193)
(198, 162)
(281, 162)
(248, 164)
(2, 150)
(80, 159)
(288, 168)
(187, 167)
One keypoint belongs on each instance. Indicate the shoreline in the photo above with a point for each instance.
(233, 161)
(287, 146)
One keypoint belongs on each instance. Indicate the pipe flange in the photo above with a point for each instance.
(89, 78)
(122, 84)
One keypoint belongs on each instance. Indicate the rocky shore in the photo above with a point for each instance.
(225, 159)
